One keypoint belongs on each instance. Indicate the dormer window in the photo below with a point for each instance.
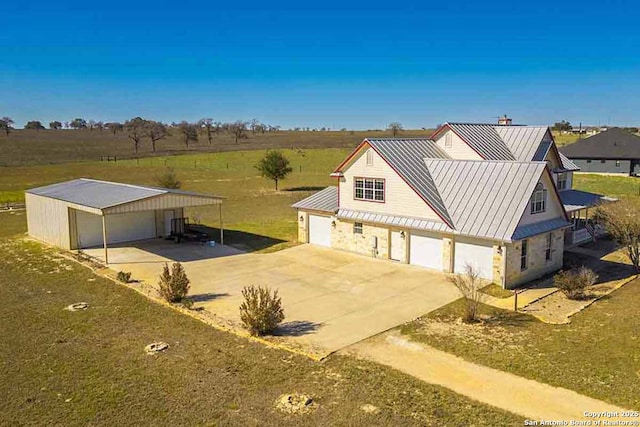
(539, 199)
(369, 157)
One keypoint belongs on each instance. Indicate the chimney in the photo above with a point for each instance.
(504, 120)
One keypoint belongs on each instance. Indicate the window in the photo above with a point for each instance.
(447, 140)
(588, 161)
(369, 189)
(539, 199)
(523, 255)
(547, 254)
(617, 163)
(369, 157)
(603, 161)
(357, 228)
(562, 181)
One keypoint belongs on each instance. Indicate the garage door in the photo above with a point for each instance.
(120, 228)
(425, 251)
(479, 256)
(320, 230)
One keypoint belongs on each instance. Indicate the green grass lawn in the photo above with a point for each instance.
(598, 354)
(89, 368)
(616, 186)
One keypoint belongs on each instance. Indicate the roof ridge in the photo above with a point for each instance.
(485, 161)
(162, 190)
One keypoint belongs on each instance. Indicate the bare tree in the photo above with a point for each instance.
(91, 124)
(468, 284)
(622, 221)
(114, 127)
(395, 128)
(136, 130)
(208, 125)
(6, 124)
(99, 125)
(155, 131)
(189, 132)
(239, 129)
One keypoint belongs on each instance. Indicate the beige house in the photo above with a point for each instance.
(496, 197)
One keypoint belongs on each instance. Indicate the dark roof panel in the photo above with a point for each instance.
(614, 143)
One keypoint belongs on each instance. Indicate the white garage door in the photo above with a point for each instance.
(425, 251)
(479, 256)
(120, 228)
(320, 230)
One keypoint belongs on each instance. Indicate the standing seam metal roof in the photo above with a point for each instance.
(525, 142)
(407, 156)
(485, 198)
(104, 194)
(484, 139)
(324, 200)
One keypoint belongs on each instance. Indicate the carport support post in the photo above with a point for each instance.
(221, 229)
(104, 238)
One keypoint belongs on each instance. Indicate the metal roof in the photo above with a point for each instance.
(484, 139)
(525, 142)
(567, 164)
(105, 194)
(324, 200)
(576, 199)
(406, 157)
(485, 198)
(614, 143)
(394, 220)
(534, 229)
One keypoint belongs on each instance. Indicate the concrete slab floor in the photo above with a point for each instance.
(331, 299)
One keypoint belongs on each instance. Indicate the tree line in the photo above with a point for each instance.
(137, 129)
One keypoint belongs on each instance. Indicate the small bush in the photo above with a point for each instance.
(261, 312)
(168, 179)
(174, 283)
(468, 284)
(573, 283)
(124, 277)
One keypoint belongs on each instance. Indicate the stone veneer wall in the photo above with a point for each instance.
(302, 226)
(342, 237)
(537, 264)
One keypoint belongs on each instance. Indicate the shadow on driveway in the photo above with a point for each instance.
(297, 328)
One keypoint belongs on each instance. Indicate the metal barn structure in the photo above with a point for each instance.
(85, 213)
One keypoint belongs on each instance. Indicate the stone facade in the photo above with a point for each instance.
(537, 265)
(343, 237)
(302, 227)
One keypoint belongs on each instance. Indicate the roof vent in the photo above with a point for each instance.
(504, 120)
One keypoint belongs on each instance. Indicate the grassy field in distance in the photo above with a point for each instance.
(31, 147)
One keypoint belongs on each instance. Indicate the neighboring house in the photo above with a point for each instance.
(490, 196)
(614, 151)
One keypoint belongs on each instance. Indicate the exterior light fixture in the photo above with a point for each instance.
(333, 224)
(301, 218)
(402, 235)
(499, 250)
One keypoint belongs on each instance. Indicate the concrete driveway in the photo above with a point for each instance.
(331, 299)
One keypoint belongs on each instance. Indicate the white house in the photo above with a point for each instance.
(497, 197)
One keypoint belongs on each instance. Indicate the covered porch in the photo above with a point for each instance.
(580, 207)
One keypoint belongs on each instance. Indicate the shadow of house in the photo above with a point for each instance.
(247, 242)
(297, 328)
(607, 271)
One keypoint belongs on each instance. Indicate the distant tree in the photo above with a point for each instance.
(78, 123)
(114, 127)
(562, 126)
(168, 179)
(136, 130)
(239, 129)
(55, 125)
(274, 165)
(6, 124)
(155, 131)
(91, 124)
(395, 128)
(209, 127)
(255, 126)
(99, 125)
(34, 124)
(631, 129)
(189, 132)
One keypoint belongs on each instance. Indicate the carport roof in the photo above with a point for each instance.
(105, 194)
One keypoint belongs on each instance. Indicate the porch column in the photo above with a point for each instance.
(221, 229)
(104, 239)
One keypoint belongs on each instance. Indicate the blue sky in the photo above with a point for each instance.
(358, 65)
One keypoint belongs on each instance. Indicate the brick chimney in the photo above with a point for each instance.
(504, 120)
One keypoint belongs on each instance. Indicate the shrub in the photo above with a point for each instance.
(168, 179)
(261, 312)
(573, 283)
(124, 277)
(174, 283)
(468, 284)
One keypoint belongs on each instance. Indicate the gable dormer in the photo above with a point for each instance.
(453, 145)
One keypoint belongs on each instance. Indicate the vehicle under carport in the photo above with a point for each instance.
(85, 213)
